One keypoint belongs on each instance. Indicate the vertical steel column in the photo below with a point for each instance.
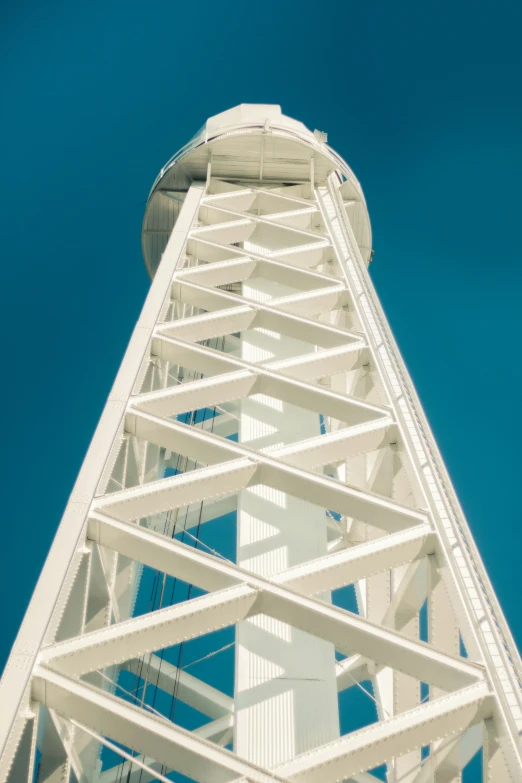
(285, 678)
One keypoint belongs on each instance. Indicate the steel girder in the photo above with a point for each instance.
(396, 532)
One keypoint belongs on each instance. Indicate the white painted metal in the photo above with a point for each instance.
(284, 675)
(262, 317)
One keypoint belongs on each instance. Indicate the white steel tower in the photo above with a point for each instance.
(263, 573)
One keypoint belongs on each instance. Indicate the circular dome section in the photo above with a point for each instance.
(250, 144)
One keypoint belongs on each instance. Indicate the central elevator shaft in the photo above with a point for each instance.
(285, 691)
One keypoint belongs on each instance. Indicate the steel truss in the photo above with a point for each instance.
(391, 523)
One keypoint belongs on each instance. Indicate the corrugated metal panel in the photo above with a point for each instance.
(162, 212)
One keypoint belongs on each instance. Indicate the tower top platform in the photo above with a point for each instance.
(251, 144)
(254, 113)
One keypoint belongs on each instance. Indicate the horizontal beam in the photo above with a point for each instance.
(153, 631)
(178, 491)
(376, 744)
(297, 218)
(207, 326)
(165, 554)
(133, 727)
(360, 562)
(243, 266)
(201, 393)
(351, 633)
(305, 255)
(339, 445)
(248, 196)
(311, 303)
(216, 273)
(228, 233)
(329, 493)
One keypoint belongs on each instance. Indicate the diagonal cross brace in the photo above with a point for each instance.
(241, 594)
(201, 760)
(242, 378)
(267, 469)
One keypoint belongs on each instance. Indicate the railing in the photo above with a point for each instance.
(499, 649)
(202, 138)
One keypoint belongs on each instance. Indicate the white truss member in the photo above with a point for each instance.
(262, 465)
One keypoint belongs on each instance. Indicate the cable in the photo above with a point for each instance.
(182, 646)
(209, 655)
(128, 693)
(356, 682)
(173, 516)
(132, 759)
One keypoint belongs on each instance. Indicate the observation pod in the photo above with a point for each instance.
(263, 573)
(254, 144)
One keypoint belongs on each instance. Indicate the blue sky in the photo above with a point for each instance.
(422, 100)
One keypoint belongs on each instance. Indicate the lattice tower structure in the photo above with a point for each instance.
(263, 573)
